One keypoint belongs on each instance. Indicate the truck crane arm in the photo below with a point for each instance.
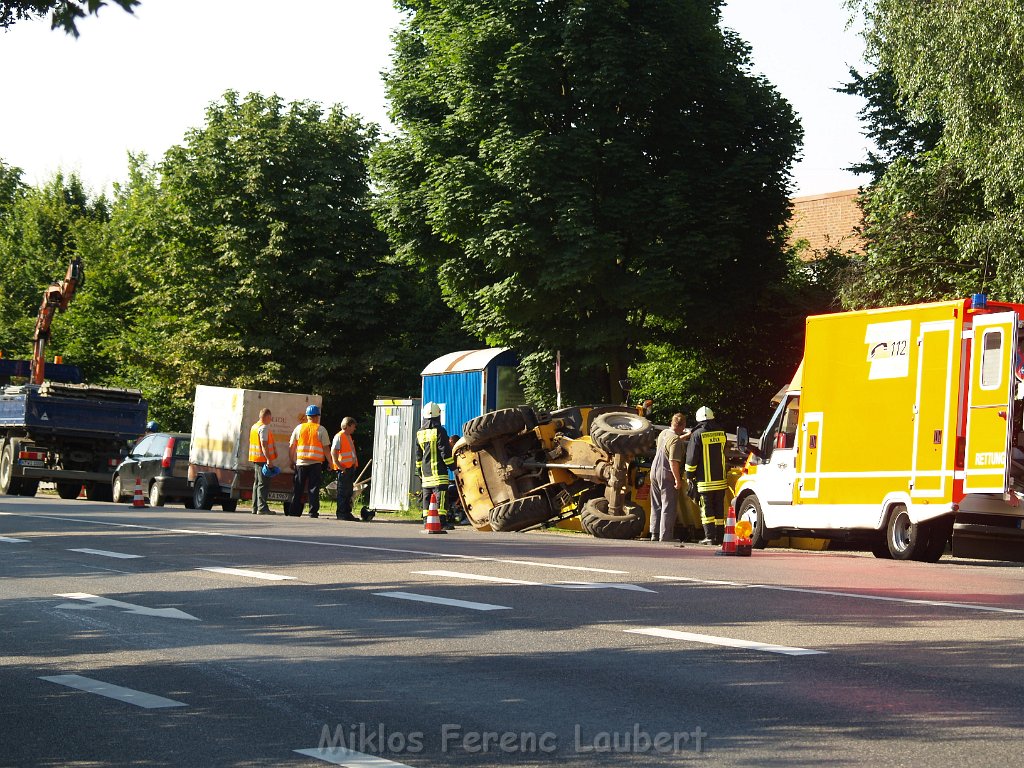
(56, 298)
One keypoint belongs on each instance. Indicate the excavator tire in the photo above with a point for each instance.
(507, 421)
(601, 524)
(521, 513)
(625, 433)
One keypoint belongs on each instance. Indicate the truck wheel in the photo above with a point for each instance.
(9, 484)
(99, 492)
(625, 433)
(189, 502)
(68, 490)
(906, 540)
(507, 421)
(229, 505)
(115, 489)
(596, 520)
(939, 531)
(29, 487)
(202, 496)
(156, 498)
(750, 510)
(520, 513)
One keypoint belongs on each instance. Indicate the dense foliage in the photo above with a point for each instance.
(948, 219)
(586, 177)
(248, 257)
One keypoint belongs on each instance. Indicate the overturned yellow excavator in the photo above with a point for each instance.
(583, 468)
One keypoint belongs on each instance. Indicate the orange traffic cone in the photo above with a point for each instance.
(138, 500)
(729, 540)
(432, 524)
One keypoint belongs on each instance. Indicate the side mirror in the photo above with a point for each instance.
(742, 439)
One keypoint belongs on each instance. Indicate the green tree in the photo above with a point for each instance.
(258, 263)
(64, 14)
(584, 177)
(951, 220)
(895, 134)
(42, 230)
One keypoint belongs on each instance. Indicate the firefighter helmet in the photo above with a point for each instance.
(705, 414)
(431, 410)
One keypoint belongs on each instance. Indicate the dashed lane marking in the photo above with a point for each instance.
(444, 601)
(9, 540)
(731, 642)
(127, 695)
(250, 574)
(854, 595)
(105, 553)
(520, 582)
(349, 758)
(451, 555)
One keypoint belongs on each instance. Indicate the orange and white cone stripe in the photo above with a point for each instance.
(432, 524)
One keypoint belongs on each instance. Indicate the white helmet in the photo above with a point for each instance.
(705, 414)
(431, 410)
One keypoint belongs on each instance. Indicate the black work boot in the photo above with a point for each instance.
(719, 533)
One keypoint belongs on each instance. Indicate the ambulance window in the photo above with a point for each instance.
(992, 358)
(790, 423)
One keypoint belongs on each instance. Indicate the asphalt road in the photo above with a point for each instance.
(168, 637)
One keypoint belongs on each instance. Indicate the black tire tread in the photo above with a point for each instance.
(506, 421)
(521, 513)
(617, 439)
(596, 520)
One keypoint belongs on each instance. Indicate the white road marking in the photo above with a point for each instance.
(105, 553)
(479, 577)
(9, 540)
(349, 758)
(93, 601)
(520, 582)
(601, 585)
(444, 601)
(127, 695)
(452, 555)
(250, 574)
(692, 637)
(855, 595)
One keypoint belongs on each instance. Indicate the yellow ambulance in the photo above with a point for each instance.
(901, 430)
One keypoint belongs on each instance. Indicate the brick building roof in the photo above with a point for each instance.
(827, 221)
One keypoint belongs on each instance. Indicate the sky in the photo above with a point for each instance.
(139, 82)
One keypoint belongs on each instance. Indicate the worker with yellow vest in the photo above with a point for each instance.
(309, 448)
(705, 466)
(343, 450)
(262, 453)
(434, 457)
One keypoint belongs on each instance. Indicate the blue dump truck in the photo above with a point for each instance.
(63, 431)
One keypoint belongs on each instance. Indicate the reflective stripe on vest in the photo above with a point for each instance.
(308, 446)
(713, 448)
(431, 465)
(255, 451)
(346, 455)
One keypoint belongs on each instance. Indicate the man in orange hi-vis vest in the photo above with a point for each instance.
(308, 448)
(262, 453)
(343, 451)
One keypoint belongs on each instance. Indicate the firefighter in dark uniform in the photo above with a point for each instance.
(434, 457)
(705, 467)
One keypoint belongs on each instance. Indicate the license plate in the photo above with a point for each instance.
(277, 496)
(31, 463)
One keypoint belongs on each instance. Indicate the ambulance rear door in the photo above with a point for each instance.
(989, 397)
